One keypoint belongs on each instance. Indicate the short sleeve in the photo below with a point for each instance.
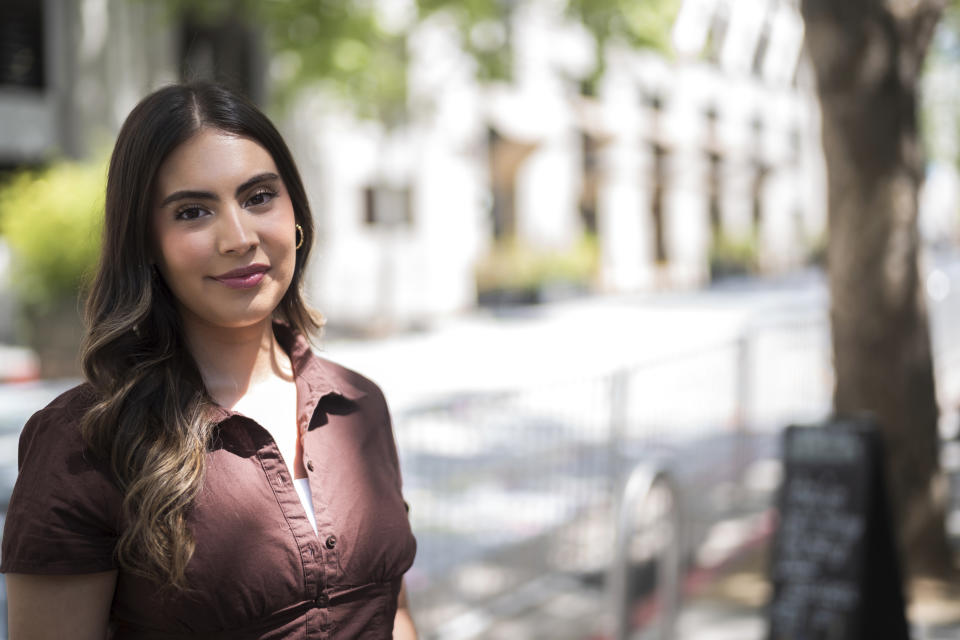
(64, 513)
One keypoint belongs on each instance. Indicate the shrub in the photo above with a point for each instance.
(52, 219)
(731, 256)
(512, 265)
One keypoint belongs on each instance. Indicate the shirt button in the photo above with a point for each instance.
(331, 542)
(309, 465)
(323, 600)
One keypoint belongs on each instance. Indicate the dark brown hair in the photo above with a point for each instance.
(151, 420)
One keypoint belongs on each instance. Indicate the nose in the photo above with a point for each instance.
(236, 233)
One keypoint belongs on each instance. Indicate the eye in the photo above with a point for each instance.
(191, 212)
(261, 197)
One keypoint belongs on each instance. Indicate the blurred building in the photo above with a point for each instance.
(679, 165)
(940, 103)
(714, 155)
(671, 163)
(71, 70)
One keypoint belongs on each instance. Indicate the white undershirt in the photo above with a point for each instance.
(302, 485)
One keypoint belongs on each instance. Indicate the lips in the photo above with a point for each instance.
(244, 277)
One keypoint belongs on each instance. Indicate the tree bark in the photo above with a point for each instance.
(868, 57)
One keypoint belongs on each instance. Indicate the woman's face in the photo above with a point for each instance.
(224, 230)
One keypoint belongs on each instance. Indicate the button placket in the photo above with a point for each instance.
(325, 543)
(309, 547)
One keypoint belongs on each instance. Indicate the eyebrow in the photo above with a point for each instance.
(188, 194)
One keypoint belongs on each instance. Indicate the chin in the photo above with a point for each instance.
(242, 321)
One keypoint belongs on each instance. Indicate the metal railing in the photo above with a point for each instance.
(648, 532)
(516, 495)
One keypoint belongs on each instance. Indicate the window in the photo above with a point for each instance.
(660, 157)
(506, 156)
(22, 44)
(717, 33)
(714, 187)
(590, 150)
(387, 206)
(222, 52)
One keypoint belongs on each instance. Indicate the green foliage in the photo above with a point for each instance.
(339, 43)
(816, 249)
(733, 256)
(642, 24)
(515, 265)
(484, 27)
(344, 44)
(51, 220)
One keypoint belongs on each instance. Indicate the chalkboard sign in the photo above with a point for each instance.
(834, 565)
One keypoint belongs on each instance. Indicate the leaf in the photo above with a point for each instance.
(52, 220)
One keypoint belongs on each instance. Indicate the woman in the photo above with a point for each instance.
(212, 478)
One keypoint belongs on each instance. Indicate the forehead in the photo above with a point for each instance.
(212, 159)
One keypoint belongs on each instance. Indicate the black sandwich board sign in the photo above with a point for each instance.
(834, 565)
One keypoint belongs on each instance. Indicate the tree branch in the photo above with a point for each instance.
(922, 24)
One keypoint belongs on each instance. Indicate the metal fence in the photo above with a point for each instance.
(515, 494)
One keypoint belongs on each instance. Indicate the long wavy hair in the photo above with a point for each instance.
(151, 420)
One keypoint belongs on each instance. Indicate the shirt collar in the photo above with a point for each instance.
(322, 378)
(316, 377)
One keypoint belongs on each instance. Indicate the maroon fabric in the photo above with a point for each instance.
(259, 571)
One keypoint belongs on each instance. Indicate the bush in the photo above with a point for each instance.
(52, 219)
(816, 250)
(733, 256)
(512, 265)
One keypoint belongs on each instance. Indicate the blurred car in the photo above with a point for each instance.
(18, 364)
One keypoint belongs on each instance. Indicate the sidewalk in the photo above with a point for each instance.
(700, 619)
(732, 608)
(728, 607)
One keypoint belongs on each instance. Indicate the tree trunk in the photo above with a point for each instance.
(868, 57)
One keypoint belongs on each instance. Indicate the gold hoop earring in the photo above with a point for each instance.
(299, 236)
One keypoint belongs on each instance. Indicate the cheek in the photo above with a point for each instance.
(179, 253)
(284, 241)
(287, 263)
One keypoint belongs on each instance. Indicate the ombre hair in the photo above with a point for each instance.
(151, 420)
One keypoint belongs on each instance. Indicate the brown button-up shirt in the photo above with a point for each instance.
(259, 571)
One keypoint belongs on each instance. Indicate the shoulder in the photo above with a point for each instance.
(348, 382)
(72, 403)
(64, 511)
(59, 421)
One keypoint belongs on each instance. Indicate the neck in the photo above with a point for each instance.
(231, 361)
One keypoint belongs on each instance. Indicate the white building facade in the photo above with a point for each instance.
(672, 157)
